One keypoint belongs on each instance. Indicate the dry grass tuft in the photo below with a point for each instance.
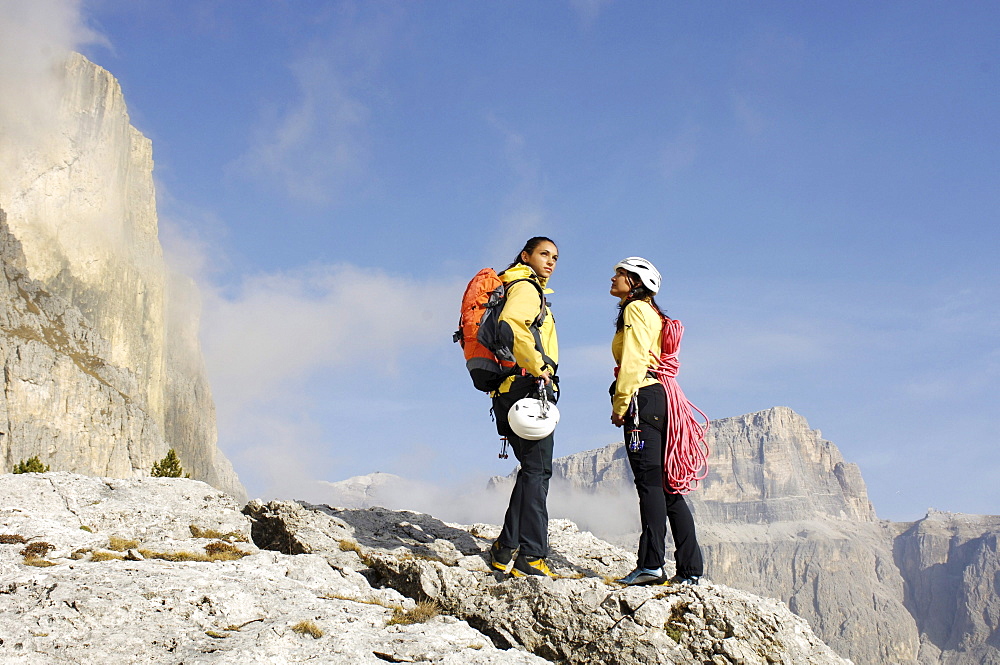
(121, 544)
(220, 551)
(232, 536)
(308, 628)
(423, 612)
(34, 554)
(217, 551)
(350, 546)
(106, 556)
(38, 548)
(12, 539)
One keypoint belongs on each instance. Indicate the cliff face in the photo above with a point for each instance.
(80, 200)
(951, 564)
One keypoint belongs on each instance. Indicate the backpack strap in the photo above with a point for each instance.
(536, 325)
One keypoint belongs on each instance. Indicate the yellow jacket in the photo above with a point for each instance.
(631, 348)
(520, 311)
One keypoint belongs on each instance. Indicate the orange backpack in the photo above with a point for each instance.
(488, 358)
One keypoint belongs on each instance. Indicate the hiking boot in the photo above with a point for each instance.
(641, 576)
(500, 556)
(523, 567)
(684, 580)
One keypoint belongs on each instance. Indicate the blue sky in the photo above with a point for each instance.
(819, 183)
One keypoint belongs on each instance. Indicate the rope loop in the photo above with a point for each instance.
(686, 452)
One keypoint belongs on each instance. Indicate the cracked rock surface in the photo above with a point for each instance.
(171, 571)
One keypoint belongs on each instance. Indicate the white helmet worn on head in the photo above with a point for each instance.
(646, 271)
(532, 419)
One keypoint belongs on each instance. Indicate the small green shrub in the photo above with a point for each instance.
(31, 465)
(168, 467)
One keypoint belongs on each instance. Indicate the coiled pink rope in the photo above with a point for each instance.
(686, 453)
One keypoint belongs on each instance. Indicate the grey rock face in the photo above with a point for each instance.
(951, 566)
(782, 515)
(579, 617)
(91, 598)
(62, 399)
(80, 200)
(129, 571)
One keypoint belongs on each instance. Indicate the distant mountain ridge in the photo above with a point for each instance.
(782, 514)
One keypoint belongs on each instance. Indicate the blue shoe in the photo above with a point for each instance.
(641, 576)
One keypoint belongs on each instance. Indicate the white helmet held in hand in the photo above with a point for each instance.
(532, 419)
(646, 271)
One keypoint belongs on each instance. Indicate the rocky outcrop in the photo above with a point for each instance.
(163, 571)
(951, 564)
(79, 198)
(783, 515)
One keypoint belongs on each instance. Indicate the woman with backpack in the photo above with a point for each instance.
(527, 324)
(644, 402)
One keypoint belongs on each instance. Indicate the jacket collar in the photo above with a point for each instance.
(522, 271)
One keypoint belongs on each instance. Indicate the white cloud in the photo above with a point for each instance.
(35, 39)
(282, 327)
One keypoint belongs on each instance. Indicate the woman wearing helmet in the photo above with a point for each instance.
(528, 324)
(639, 402)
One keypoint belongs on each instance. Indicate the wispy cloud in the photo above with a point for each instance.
(281, 327)
(316, 145)
(35, 39)
(589, 10)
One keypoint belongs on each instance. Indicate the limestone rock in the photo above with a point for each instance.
(783, 515)
(63, 400)
(79, 197)
(951, 566)
(84, 599)
(580, 617)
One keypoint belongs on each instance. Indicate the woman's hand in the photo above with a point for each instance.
(617, 420)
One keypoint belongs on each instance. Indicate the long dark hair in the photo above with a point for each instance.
(529, 247)
(638, 292)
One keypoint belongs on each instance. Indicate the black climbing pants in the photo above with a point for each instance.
(526, 524)
(658, 505)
